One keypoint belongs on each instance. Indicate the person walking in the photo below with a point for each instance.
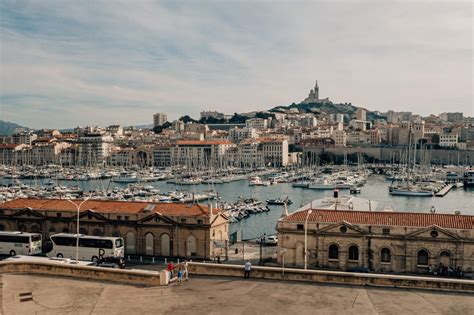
(186, 272)
(180, 276)
(247, 268)
(170, 269)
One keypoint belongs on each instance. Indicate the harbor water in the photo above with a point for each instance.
(376, 189)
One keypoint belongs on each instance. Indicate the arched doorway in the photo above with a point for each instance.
(149, 244)
(191, 246)
(165, 245)
(35, 228)
(130, 243)
(445, 258)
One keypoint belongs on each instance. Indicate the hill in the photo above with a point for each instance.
(328, 108)
(7, 128)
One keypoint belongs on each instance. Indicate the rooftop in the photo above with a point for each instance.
(384, 218)
(109, 206)
(204, 142)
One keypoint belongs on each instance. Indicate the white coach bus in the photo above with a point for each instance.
(19, 243)
(90, 247)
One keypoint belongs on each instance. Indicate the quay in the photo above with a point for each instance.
(443, 192)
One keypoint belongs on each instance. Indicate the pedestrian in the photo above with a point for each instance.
(247, 268)
(180, 276)
(218, 259)
(186, 272)
(170, 269)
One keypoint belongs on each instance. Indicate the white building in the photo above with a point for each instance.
(239, 134)
(361, 114)
(159, 119)
(340, 138)
(256, 123)
(196, 154)
(94, 148)
(448, 140)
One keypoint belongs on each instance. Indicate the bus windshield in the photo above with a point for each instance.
(35, 238)
(119, 242)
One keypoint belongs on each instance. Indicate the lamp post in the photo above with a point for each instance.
(78, 207)
(306, 239)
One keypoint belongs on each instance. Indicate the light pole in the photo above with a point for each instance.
(78, 207)
(306, 239)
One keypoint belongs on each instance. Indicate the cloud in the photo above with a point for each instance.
(65, 64)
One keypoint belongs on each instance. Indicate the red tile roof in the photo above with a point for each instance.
(385, 218)
(108, 206)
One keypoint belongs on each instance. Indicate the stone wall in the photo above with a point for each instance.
(335, 277)
(141, 277)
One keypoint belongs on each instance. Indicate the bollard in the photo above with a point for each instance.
(178, 260)
(166, 261)
(141, 259)
(153, 260)
(128, 257)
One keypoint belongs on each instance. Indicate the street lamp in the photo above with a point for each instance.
(306, 239)
(78, 207)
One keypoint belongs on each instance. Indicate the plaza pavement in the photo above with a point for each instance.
(55, 295)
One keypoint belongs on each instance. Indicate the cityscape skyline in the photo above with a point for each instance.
(124, 62)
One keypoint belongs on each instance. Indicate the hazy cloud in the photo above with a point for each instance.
(65, 63)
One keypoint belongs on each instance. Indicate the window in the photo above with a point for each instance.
(65, 230)
(422, 259)
(199, 222)
(300, 227)
(183, 221)
(343, 229)
(83, 231)
(434, 234)
(353, 253)
(333, 252)
(119, 217)
(59, 214)
(385, 231)
(127, 218)
(385, 255)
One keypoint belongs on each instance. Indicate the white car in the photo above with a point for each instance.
(272, 240)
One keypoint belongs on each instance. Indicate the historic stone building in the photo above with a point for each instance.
(153, 229)
(378, 241)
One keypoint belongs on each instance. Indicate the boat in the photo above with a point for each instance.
(321, 185)
(279, 202)
(410, 191)
(468, 178)
(354, 190)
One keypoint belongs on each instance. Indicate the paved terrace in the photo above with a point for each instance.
(51, 295)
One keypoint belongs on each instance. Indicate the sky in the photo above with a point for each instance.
(69, 63)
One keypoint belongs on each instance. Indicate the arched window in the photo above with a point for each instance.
(116, 234)
(422, 259)
(97, 232)
(35, 228)
(445, 258)
(385, 255)
(65, 230)
(2, 227)
(353, 253)
(333, 252)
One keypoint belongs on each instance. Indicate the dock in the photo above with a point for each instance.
(444, 191)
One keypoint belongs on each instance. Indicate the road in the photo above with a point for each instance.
(54, 295)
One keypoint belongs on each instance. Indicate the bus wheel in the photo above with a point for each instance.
(59, 255)
(12, 253)
(95, 258)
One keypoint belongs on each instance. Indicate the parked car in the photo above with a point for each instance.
(111, 262)
(271, 240)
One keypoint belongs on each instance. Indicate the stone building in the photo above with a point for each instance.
(379, 241)
(167, 230)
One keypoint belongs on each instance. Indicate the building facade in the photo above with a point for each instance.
(167, 230)
(379, 241)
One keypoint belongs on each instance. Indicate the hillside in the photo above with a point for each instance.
(7, 128)
(328, 108)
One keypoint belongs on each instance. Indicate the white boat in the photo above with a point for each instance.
(321, 185)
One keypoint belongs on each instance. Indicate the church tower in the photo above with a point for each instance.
(316, 90)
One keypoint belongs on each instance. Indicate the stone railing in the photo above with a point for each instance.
(130, 276)
(334, 277)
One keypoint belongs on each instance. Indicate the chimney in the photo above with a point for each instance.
(209, 208)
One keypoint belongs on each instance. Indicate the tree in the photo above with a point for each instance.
(187, 119)
(159, 129)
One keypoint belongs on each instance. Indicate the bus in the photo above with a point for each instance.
(90, 247)
(19, 243)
